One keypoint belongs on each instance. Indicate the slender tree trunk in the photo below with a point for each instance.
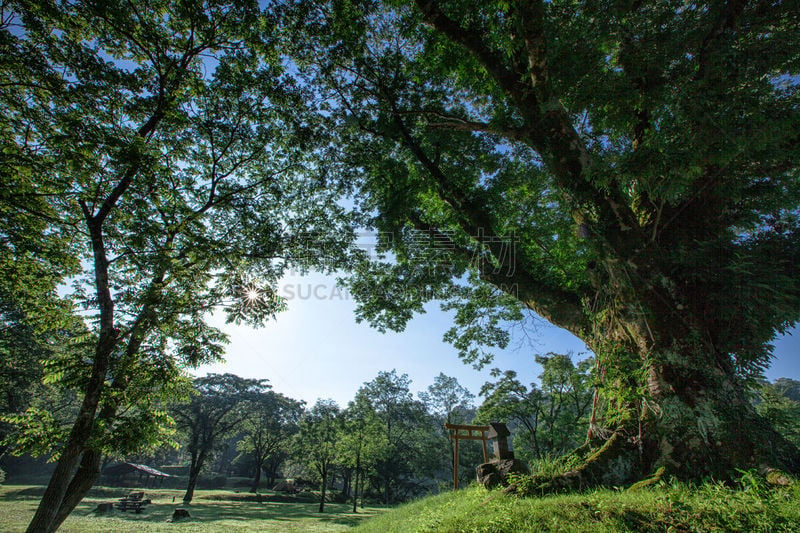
(355, 485)
(194, 475)
(322, 491)
(257, 480)
(355, 490)
(346, 478)
(50, 513)
(362, 489)
(259, 458)
(47, 511)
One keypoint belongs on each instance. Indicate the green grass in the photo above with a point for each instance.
(667, 508)
(211, 511)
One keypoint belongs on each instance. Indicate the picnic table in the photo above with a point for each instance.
(132, 502)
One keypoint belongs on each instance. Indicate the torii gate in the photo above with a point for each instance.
(455, 431)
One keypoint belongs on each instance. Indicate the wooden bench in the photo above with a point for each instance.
(132, 502)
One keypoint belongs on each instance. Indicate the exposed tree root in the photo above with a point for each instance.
(647, 482)
(615, 462)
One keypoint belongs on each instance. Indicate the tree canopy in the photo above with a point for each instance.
(270, 423)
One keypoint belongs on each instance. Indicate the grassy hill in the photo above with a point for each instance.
(749, 507)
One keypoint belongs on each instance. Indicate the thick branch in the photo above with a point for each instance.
(549, 127)
(558, 306)
(510, 80)
(460, 124)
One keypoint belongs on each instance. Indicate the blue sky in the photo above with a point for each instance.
(316, 349)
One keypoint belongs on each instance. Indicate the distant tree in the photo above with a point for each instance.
(779, 403)
(790, 388)
(316, 443)
(275, 462)
(34, 320)
(220, 404)
(362, 442)
(550, 419)
(568, 391)
(449, 402)
(271, 421)
(22, 349)
(401, 415)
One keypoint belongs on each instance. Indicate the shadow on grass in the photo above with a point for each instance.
(208, 512)
(25, 493)
(237, 511)
(99, 492)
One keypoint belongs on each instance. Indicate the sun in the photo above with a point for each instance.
(252, 294)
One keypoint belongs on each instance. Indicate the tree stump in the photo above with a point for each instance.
(180, 514)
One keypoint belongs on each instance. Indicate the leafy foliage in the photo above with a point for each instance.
(779, 403)
(267, 430)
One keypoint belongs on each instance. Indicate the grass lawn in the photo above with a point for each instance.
(211, 511)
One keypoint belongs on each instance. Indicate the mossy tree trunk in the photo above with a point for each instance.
(671, 403)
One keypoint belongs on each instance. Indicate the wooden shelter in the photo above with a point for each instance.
(122, 470)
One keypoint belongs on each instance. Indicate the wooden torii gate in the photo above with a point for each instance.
(472, 433)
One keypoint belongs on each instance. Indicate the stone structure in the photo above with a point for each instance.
(499, 433)
(496, 471)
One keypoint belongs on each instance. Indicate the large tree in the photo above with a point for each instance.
(155, 153)
(625, 170)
